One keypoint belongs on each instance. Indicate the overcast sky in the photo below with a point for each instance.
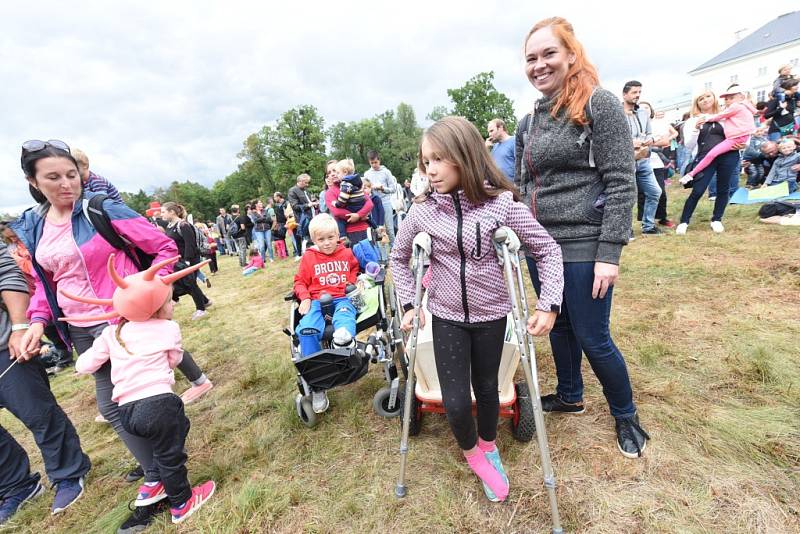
(163, 91)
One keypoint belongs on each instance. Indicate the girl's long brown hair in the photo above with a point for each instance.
(581, 76)
(459, 142)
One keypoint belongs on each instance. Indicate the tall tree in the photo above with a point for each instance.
(479, 101)
(394, 134)
(256, 158)
(297, 146)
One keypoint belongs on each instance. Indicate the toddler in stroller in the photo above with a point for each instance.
(330, 305)
(325, 271)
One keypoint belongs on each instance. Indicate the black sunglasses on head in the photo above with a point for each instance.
(34, 145)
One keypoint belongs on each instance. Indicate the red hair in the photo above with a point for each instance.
(581, 76)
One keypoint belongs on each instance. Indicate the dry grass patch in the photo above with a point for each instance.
(707, 323)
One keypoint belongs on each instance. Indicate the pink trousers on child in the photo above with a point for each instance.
(280, 248)
(725, 146)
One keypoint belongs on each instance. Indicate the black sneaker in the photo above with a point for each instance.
(655, 230)
(631, 437)
(134, 474)
(553, 403)
(142, 517)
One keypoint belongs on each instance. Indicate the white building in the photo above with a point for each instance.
(753, 61)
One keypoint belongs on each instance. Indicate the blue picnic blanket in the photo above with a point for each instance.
(744, 196)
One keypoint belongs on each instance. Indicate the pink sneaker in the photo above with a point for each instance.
(200, 494)
(195, 392)
(150, 494)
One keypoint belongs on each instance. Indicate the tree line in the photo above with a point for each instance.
(273, 157)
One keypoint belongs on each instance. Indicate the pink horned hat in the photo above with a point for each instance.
(137, 296)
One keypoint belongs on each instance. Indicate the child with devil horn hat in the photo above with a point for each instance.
(144, 347)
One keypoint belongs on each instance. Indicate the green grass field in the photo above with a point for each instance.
(709, 325)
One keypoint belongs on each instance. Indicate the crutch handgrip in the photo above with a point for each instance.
(507, 236)
(423, 241)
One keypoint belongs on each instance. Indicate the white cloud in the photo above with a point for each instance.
(155, 92)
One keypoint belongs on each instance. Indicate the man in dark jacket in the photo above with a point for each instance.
(25, 392)
(303, 208)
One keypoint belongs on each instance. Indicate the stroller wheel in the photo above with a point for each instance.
(380, 403)
(523, 424)
(305, 411)
(415, 420)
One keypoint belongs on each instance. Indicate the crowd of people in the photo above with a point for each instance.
(566, 181)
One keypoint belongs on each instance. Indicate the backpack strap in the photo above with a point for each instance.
(587, 129)
(96, 215)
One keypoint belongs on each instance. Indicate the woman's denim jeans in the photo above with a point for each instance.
(583, 327)
(264, 243)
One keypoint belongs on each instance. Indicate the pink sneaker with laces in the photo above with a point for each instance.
(195, 392)
(200, 494)
(150, 494)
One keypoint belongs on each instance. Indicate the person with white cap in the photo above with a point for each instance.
(737, 120)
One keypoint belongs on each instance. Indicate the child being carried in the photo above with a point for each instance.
(738, 126)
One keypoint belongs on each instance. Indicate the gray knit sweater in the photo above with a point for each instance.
(586, 209)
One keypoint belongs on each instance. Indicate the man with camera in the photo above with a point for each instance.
(642, 135)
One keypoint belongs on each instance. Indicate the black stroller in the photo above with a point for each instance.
(332, 366)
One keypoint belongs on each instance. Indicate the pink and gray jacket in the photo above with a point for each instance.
(467, 283)
(93, 249)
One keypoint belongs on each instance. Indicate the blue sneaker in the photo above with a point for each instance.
(13, 503)
(67, 492)
(494, 459)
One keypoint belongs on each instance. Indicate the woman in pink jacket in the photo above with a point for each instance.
(68, 254)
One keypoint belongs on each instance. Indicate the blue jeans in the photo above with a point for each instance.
(263, 242)
(684, 156)
(388, 221)
(312, 325)
(647, 184)
(301, 233)
(725, 167)
(582, 327)
(734, 184)
(774, 136)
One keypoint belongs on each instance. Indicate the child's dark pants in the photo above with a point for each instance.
(160, 419)
(469, 352)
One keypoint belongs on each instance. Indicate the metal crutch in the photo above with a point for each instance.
(422, 249)
(507, 245)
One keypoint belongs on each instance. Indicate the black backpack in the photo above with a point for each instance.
(98, 218)
(779, 208)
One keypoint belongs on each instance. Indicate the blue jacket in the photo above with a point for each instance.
(378, 214)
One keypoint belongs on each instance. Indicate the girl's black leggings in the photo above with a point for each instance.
(469, 353)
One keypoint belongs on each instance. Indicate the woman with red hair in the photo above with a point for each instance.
(575, 165)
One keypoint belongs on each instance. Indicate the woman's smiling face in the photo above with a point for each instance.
(546, 61)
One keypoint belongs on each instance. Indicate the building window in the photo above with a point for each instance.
(762, 71)
(794, 62)
(761, 96)
(734, 78)
(707, 86)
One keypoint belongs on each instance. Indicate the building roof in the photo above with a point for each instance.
(782, 30)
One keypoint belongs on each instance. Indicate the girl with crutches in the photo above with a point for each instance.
(470, 198)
